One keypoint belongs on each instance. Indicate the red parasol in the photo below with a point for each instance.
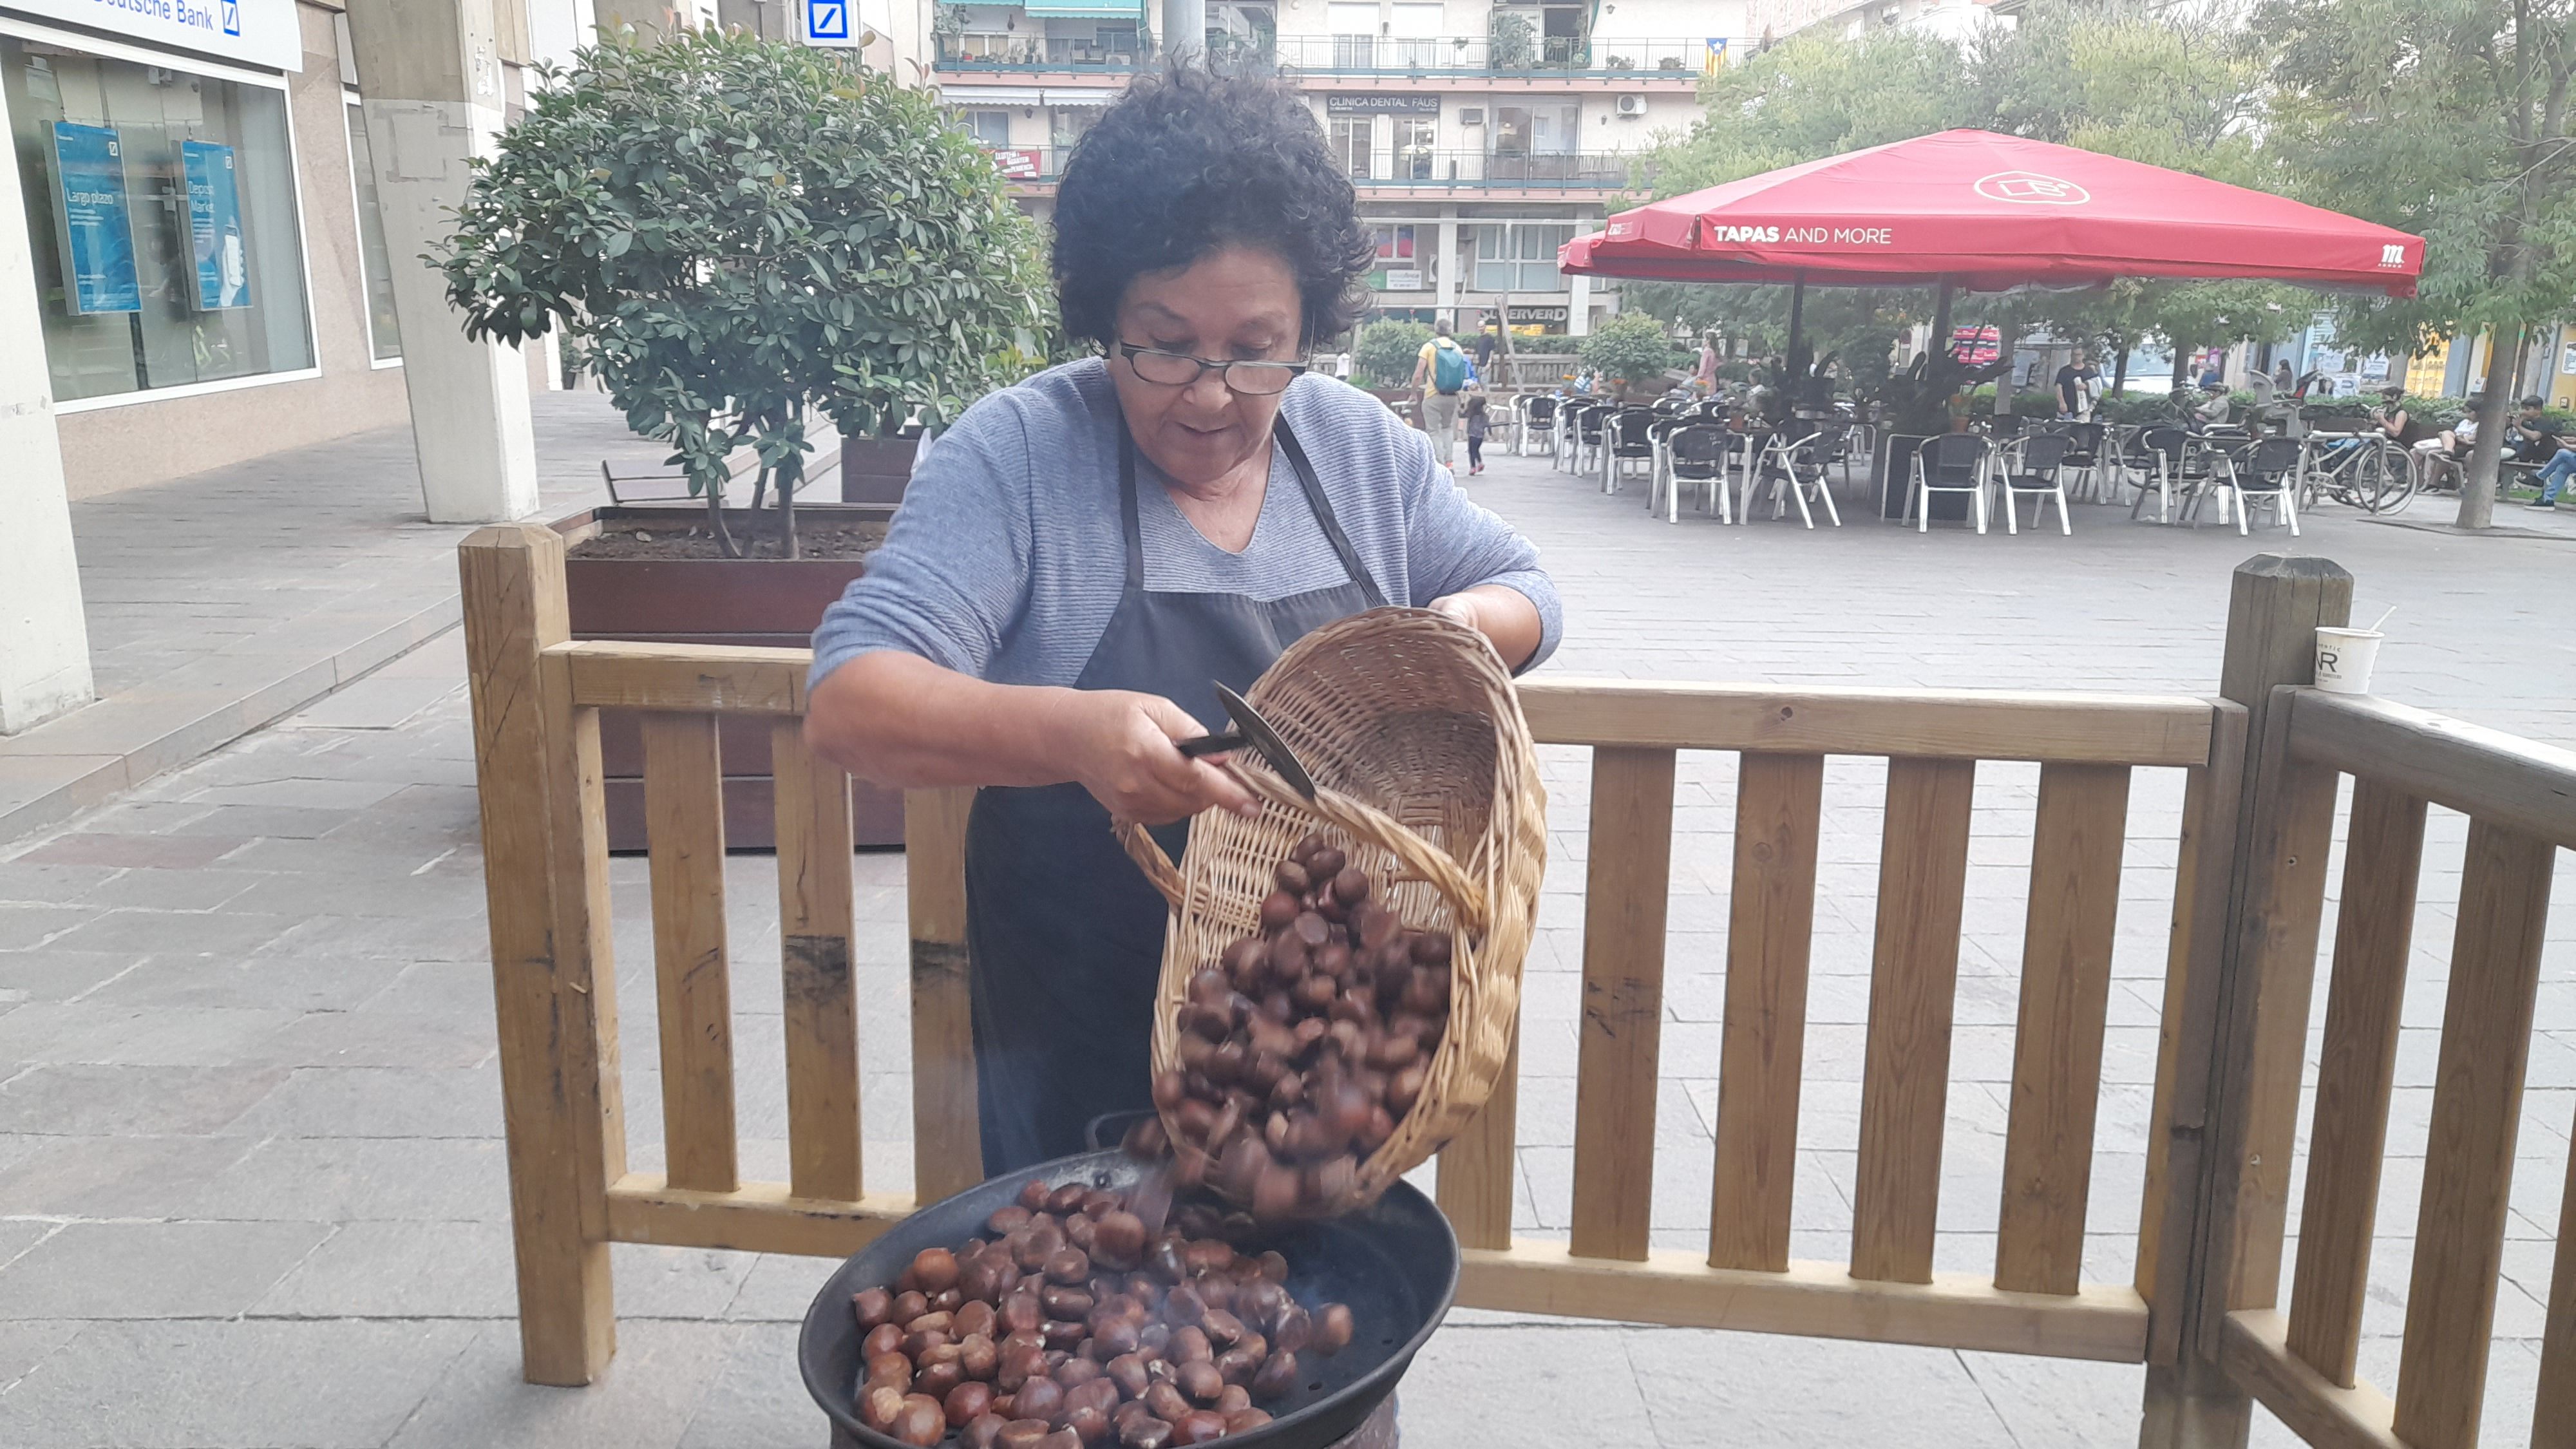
(1989, 212)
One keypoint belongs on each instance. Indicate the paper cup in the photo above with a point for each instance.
(2345, 657)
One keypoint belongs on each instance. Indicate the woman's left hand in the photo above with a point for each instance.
(1503, 614)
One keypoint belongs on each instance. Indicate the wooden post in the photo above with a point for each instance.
(1626, 890)
(545, 859)
(2260, 1000)
(947, 1142)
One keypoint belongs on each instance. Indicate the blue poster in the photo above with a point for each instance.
(96, 223)
(215, 226)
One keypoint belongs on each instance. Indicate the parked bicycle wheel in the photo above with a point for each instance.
(2386, 483)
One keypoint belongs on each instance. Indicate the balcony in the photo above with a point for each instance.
(1526, 55)
(1025, 54)
(1427, 170)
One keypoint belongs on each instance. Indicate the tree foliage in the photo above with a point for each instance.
(1386, 351)
(1629, 346)
(734, 231)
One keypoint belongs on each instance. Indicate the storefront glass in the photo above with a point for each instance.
(384, 329)
(161, 208)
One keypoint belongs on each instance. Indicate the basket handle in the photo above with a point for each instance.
(1354, 817)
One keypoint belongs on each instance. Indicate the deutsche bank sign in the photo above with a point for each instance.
(250, 32)
(833, 24)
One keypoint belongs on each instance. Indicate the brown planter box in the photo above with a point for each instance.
(875, 470)
(768, 602)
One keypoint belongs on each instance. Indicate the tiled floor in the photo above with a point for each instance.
(251, 1187)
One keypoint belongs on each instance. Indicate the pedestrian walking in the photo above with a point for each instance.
(1476, 426)
(1442, 373)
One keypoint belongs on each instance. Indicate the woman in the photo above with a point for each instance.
(1084, 553)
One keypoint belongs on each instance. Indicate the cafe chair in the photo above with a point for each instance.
(1590, 424)
(1794, 467)
(2084, 456)
(2268, 473)
(1950, 463)
(1628, 442)
(2035, 468)
(1697, 453)
(2172, 460)
(1537, 423)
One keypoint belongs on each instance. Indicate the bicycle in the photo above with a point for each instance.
(2374, 474)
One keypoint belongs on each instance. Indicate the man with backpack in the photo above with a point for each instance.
(1442, 372)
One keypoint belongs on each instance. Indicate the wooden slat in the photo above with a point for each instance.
(1770, 928)
(2325, 1414)
(815, 919)
(1626, 885)
(2057, 1047)
(536, 767)
(947, 1144)
(2108, 729)
(2553, 1418)
(2374, 934)
(757, 1217)
(2468, 1158)
(1475, 1177)
(2170, 1198)
(1922, 880)
(2273, 978)
(2521, 784)
(684, 826)
(711, 678)
(1818, 1300)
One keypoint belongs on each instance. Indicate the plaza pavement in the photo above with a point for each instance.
(251, 1183)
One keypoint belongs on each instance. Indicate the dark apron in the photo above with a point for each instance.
(1064, 933)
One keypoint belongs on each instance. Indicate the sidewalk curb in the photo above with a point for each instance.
(60, 768)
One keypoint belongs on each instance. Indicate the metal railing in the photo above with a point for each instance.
(1587, 171)
(1500, 55)
(1033, 53)
(1572, 171)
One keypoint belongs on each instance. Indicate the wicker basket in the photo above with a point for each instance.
(1427, 780)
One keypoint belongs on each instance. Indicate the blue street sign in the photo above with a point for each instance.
(827, 20)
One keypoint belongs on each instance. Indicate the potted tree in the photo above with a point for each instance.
(1631, 349)
(736, 235)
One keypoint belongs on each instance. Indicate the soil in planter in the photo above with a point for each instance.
(814, 541)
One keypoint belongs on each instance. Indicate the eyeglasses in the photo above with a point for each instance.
(1179, 369)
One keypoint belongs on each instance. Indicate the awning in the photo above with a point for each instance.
(953, 94)
(1088, 10)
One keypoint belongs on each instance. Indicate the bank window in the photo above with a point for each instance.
(989, 128)
(1415, 136)
(161, 212)
(1520, 256)
(384, 328)
(1351, 138)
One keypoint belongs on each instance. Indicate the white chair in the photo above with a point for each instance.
(1794, 466)
(2034, 468)
(1627, 441)
(1537, 419)
(1696, 453)
(1957, 463)
(2269, 474)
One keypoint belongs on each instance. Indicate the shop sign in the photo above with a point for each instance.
(1404, 281)
(254, 32)
(215, 226)
(96, 222)
(1540, 316)
(1337, 103)
(1018, 163)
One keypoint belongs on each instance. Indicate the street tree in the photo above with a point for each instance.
(2448, 118)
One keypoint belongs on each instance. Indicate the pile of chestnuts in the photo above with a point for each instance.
(1303, 1046)
(1075, 1325)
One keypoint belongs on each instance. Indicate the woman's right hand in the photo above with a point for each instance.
(1122, 749)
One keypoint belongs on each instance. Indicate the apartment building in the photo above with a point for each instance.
(1481, 136)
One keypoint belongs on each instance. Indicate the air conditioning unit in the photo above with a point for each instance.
(1471, 115)
(1632, 105)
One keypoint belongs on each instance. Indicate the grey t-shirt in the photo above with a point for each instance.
(1006, 560)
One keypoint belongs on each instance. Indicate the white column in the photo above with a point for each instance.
(44, 636)
(1578, 305)
(1448, 258)
(1184, 27)
(431, 75)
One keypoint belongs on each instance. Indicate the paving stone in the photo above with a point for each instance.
(129, 1101)
(108, 1177)
(661, 1375)
(269, 1384)
(23, 1345)
(759, 1400)
(19, 1235)
(40, 973)
(161, 852)
(24, 927)
(659, 1282)
(153, 1270)
(170, 890)
(399, 1270)
(33, 883)
(90, 1032)
(164, 931)
(392, 1102)
(273, 982)
(1559, 1382)
(365, 1038)
(1792, 1391)
(346, 1179)
(779, 1288)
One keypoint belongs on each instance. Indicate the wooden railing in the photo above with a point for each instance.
(2226, 1084)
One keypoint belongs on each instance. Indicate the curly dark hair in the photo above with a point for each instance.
(1187, 161)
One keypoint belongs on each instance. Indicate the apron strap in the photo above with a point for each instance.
(1323, 509)
(1320, 505)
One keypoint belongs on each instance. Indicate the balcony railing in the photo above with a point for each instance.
(1488, 55)
(1030, 53)
(1613, 171)
(1584, 171)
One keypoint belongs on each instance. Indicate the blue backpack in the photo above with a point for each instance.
(1449, 369)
